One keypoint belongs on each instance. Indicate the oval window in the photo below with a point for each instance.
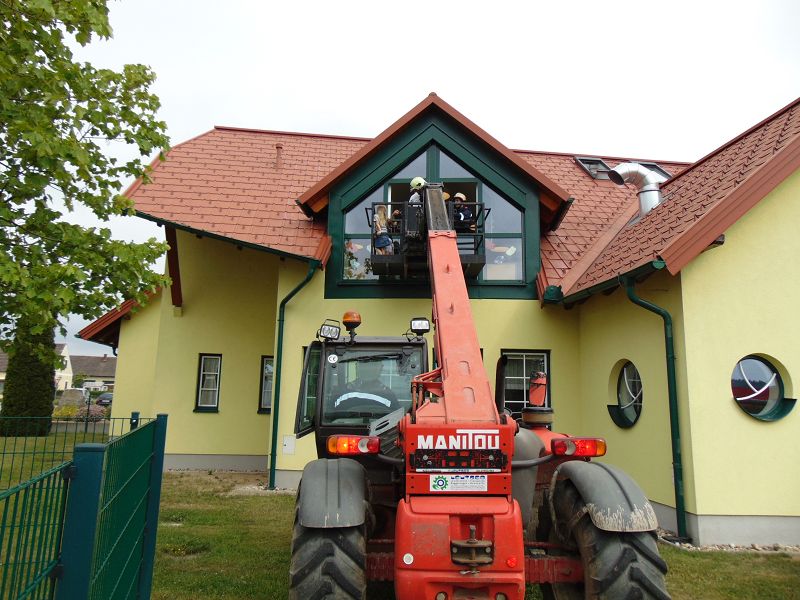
(629, 397)
(758, 389)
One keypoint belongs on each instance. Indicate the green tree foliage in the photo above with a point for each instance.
(78, 379)
(57, 119)
(30, 384)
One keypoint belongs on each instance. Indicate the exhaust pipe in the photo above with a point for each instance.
(647, 181)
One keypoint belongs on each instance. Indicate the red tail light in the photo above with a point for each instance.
(578, 447)
(353, 444)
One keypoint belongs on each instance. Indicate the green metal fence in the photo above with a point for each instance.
(23, 456)
(30, 534)
(109, 545)
(84, 527)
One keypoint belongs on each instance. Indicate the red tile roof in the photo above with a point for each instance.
(598, 205)
(241, 184)
(233, 183)
(227, 183)
(105, 329)
(704, 200)
(552, 198)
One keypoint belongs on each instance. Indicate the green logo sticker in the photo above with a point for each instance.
(439, 483)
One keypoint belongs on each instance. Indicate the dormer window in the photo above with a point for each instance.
(501, 225)
(595, 167)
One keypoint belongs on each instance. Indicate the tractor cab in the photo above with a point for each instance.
(399, 231)
(357, 385)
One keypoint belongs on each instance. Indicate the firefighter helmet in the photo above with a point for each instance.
(418, 183)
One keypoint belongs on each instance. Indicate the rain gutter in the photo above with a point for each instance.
(276, 403)
(672, 390)
(612, 284)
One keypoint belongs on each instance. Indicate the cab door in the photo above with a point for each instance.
(308, 396)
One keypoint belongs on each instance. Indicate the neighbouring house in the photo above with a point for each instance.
(63, 375)
(665, 319)
(99, 372)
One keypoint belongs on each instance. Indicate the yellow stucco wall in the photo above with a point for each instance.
(228, 309)
(614, 330)
(136, 361)
(739, 299)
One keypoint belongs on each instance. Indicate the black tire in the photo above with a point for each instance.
(328, 563)
(616, 566)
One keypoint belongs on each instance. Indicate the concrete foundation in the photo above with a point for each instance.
(739, 530)
(215, 462)
(284, 479)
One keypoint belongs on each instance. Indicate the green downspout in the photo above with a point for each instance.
(276, 404)
(672, 389)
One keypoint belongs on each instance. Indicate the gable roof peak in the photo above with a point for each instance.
(314, 199)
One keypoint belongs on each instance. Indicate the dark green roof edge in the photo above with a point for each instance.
(640, 271)
(230, 240)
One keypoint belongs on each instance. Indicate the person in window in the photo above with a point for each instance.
(380, 229)
(462, 215)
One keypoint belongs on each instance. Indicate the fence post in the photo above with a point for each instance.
(153, 501)
(80, 522)
(134, 419)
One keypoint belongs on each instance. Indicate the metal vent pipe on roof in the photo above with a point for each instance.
(647, 181)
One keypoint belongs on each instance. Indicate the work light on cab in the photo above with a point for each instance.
(420, 325)
(579, 447)
(329, 330)
(349, 445)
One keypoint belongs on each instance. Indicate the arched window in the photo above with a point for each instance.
(758, 389)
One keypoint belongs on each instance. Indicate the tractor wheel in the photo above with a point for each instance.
(327, 563)
(615, 565)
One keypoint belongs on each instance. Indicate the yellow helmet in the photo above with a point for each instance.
(418, 183)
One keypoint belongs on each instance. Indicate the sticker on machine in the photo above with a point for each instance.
(459, 483)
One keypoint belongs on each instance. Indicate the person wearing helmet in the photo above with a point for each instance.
(462, 215)
(416, 187)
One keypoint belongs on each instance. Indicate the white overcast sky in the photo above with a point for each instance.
(659, 80)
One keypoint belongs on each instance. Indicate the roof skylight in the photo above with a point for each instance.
(595, 167)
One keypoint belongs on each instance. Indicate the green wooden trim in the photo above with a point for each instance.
(490, 169)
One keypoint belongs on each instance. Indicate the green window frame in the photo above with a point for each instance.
(758, 388)
(265, 387)
(521, 364)
(629, 396)
(512, 253)
(209, 375)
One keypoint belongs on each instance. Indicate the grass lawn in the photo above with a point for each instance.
(217, 540)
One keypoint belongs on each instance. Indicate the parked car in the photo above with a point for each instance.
(105, 399)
